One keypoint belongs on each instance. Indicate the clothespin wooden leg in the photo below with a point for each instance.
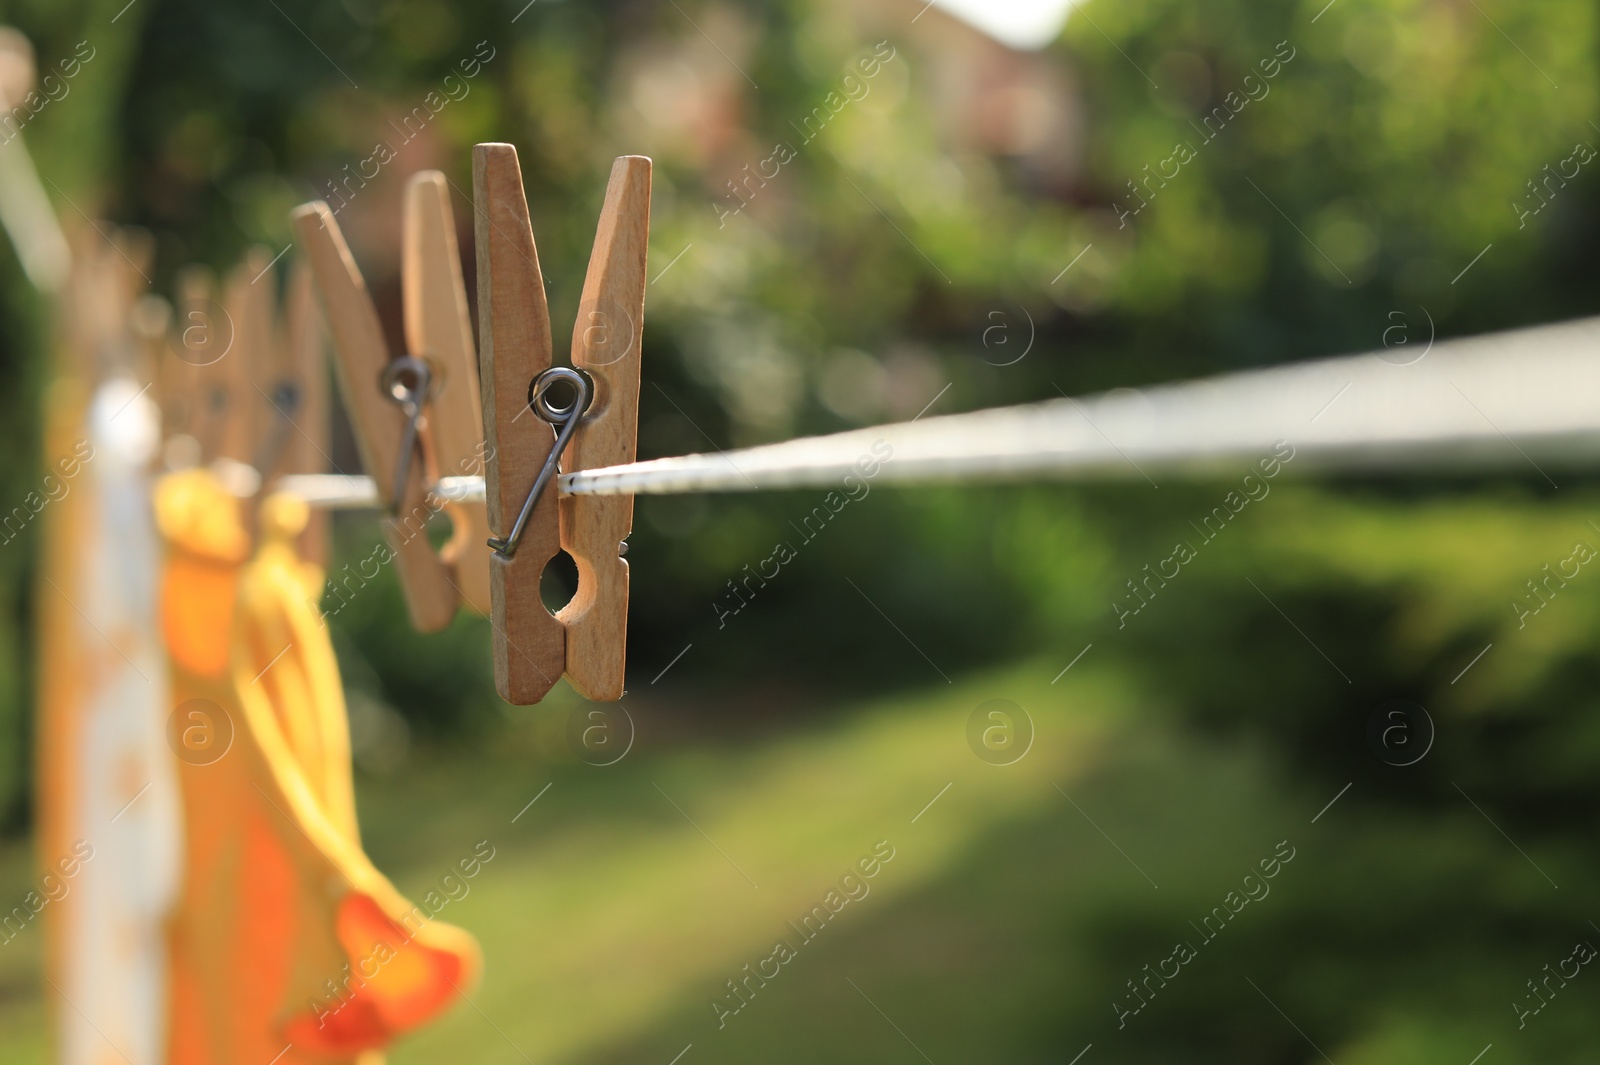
(200, 335)
(309, 442)
(438, 327)
(514, 347)
(250, 365)
(178, 387)
(379, 423)
(606, 345)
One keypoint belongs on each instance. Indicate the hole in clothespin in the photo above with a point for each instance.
(559, 581)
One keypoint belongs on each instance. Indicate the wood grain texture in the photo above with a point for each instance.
(514, 347)
(606, 344)
(439, 329)
(425, 580)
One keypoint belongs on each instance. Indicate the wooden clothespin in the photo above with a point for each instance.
(285, 356)
(415, 414)
(152, 315)
(587, 639)
(177, 389)
(253, 307)
(304, 342)
(108, 274)
(438, 325)
(206, 338)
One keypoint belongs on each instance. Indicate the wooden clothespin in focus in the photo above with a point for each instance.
(415, 414)
(597, 427)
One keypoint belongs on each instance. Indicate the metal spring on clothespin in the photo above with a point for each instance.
(408, 383)
(565, 419)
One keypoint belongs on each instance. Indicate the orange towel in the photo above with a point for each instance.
(289, 945)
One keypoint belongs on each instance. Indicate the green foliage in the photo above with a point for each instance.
(1378, 169)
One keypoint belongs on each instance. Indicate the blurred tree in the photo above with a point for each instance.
(74, 143)
(1355, 180)
(1255, 183)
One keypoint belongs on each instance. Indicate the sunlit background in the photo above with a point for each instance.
(974, 223)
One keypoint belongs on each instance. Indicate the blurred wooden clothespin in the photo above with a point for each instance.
(310, 446)
(108, 273)
(415, 414)
(284, 355)
(177, 388)
(438, 326)
(241, 384)
(597, 424)
(210, 365)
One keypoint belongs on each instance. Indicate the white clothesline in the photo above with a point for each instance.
(1526, 399)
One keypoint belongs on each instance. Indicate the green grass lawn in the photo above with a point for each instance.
(619, 904)
(624, 899)
(21, 1004)
(628, 895)
(1021, 900)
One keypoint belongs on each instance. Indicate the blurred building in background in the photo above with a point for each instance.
(995, 86)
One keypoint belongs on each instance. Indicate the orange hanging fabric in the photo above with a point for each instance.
(289, 946)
